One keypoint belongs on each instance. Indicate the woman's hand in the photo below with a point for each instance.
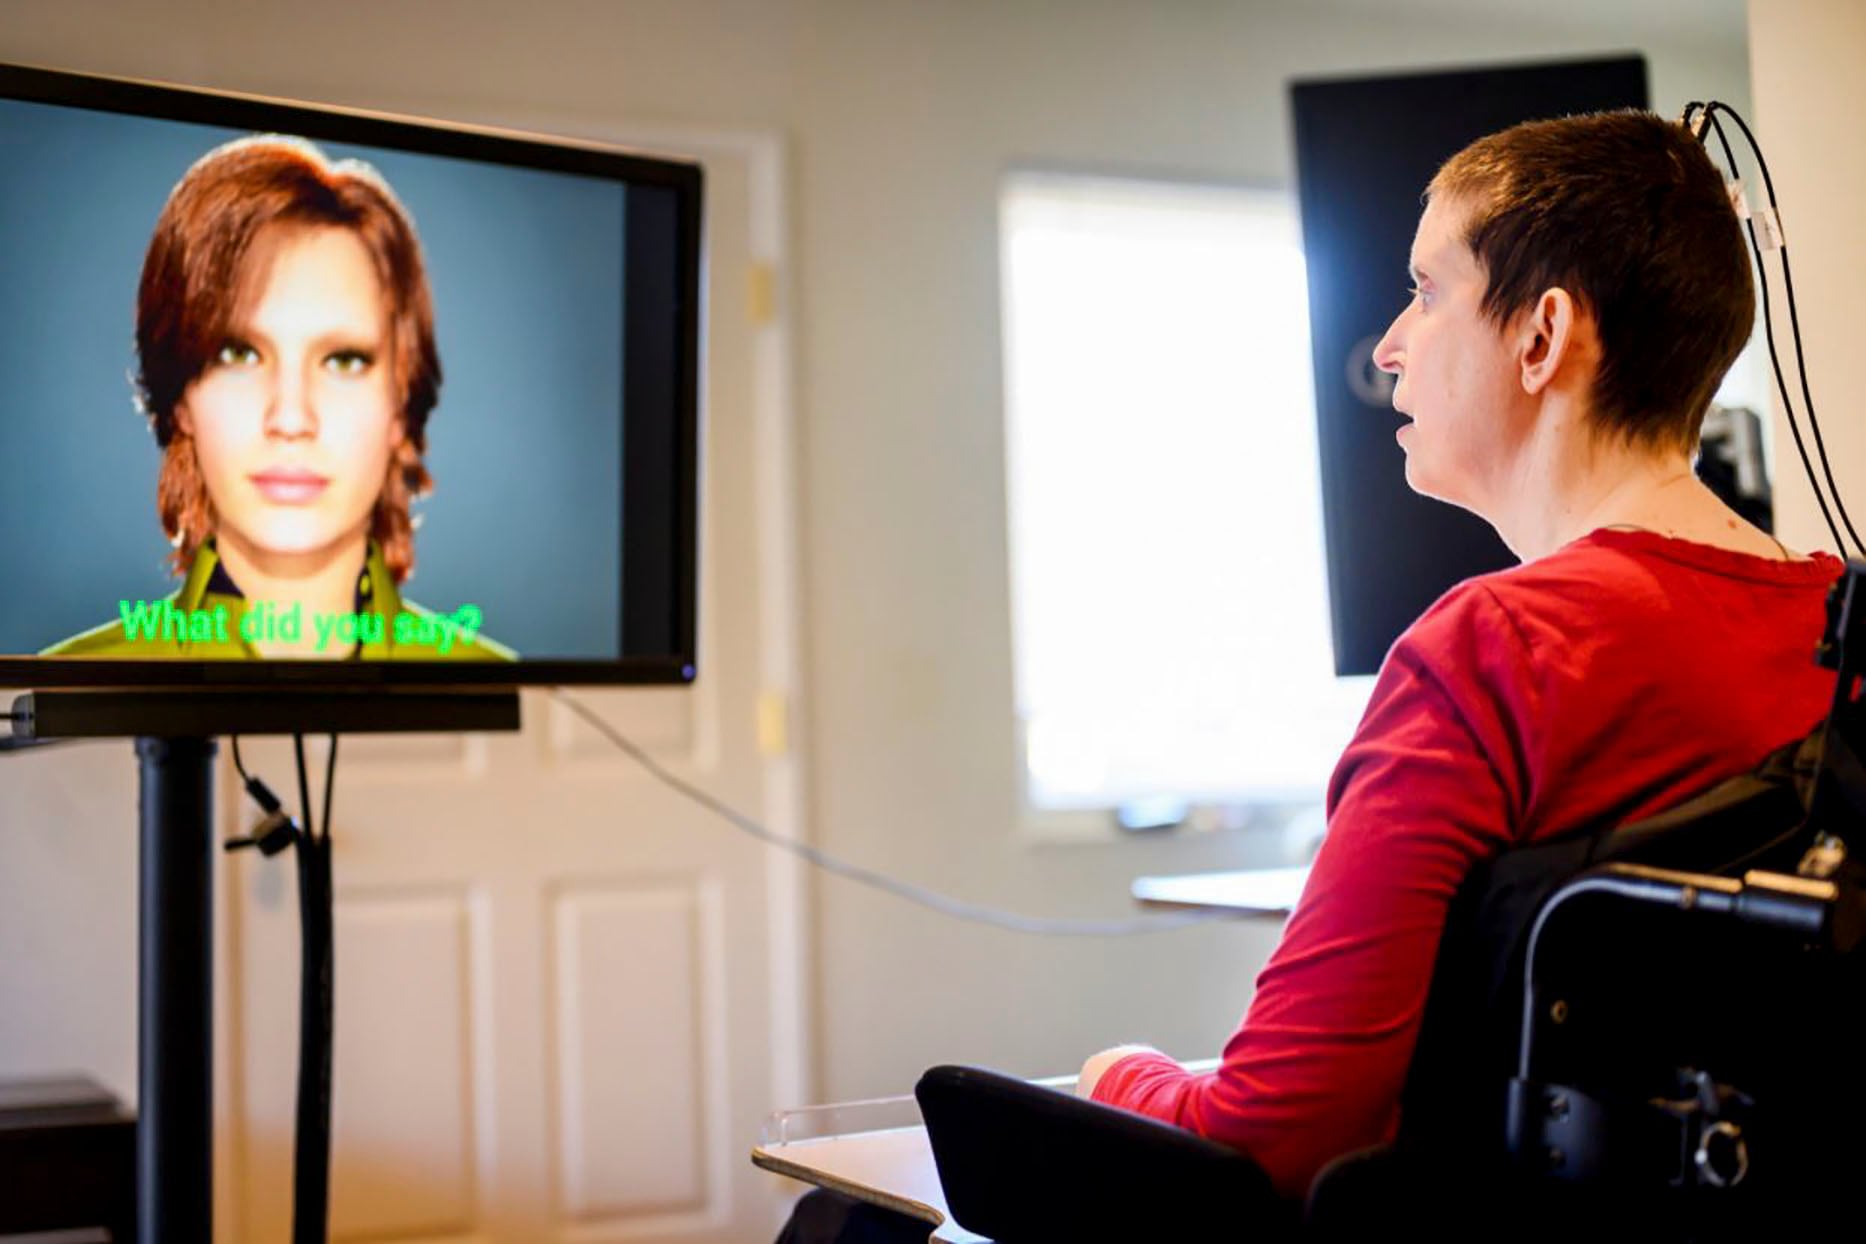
(1098, 1064)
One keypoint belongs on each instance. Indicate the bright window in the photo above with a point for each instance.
(1170, 602)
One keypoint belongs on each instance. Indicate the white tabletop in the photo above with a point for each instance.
(892, 1168)
(1250, 891)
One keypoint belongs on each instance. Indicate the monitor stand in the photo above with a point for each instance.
(175, 732)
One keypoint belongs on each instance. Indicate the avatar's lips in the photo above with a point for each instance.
(290, 486)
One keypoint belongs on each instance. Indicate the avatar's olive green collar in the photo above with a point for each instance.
(375, 587)
(375, 593)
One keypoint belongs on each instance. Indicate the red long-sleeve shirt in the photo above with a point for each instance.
(1601, 683)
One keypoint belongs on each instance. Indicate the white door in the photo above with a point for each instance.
(565, 994)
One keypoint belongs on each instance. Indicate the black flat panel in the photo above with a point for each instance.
(1365, 149)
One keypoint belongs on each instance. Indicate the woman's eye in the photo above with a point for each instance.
(349, 362)
(236, 354)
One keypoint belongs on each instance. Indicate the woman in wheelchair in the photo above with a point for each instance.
(1580, 287)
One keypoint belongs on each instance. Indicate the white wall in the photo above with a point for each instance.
(68, 912)
(901, 118)
(1805, 59)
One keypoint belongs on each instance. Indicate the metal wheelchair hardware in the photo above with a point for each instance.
(1713, 1151)
(1556, 1159)
(1559, 1011)
(1722, 1157)
(1823, 859)
(1558, 1106)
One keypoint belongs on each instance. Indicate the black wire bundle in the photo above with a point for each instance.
(316, 977)
(1710, 113)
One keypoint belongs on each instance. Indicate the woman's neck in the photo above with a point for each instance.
(323, 582)
(1581, 482)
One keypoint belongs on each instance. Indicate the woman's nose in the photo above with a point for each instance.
(1387, 352)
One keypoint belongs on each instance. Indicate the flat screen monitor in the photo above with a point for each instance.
(296, 394)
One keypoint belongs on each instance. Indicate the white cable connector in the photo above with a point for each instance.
(1770, 226)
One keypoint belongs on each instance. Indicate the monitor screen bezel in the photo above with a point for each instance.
(318, 122)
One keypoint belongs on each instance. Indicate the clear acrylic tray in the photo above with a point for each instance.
(846, 1118)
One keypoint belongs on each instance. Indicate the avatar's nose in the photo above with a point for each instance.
(290, 414)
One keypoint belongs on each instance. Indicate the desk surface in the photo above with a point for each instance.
(1251, 891)
(892, 1168)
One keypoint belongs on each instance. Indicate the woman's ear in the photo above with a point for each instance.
(398, 432)
(1547, 338)
(184, 422)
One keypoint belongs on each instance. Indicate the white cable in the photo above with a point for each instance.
(959, 909)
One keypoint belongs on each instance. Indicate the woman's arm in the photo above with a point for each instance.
(1429, 785)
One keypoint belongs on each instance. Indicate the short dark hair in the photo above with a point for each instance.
(185, 306)
(1626, 212)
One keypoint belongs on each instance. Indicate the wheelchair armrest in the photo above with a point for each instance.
(1022, 1162)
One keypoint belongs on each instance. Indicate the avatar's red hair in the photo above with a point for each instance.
(186, 304)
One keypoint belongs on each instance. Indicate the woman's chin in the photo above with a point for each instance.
(1426, 484)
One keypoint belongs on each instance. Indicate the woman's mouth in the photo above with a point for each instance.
(289, 485)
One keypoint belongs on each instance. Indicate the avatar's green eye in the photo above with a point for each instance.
(349, 362)
(236, 354)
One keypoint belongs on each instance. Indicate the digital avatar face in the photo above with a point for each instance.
(296, 417)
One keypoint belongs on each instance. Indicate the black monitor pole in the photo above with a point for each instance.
(174, 732)
(174, 990)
